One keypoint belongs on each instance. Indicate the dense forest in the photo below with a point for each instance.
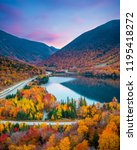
(96, 54)
(100, 132)
(13, 71)
(96, 63)
(97, 126)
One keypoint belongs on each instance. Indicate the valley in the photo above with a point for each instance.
(95, 52)
(61, 99)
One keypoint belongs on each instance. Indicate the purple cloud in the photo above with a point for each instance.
(52, 37)
(55, 22)
(15, 28)
(9, 12)
(43, 36)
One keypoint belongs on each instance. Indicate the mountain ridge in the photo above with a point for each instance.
(96, 51)
(105, 26)
(23, 49)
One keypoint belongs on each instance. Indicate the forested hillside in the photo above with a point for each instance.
(12, 71)
(96, 126)
(95, 52)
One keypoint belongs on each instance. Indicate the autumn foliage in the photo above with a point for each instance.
(95, 63)
(13, 71)
(28, 104)
(98, 127)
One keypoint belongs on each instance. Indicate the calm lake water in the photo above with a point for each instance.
(94, 90)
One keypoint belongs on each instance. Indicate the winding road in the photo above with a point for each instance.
(13, 89)
(40, 122)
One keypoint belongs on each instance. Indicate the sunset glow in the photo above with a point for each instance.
(55, 22)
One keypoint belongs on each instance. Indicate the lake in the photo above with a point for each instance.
(93, 89)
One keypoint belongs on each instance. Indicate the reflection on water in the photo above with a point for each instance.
(60, 79)
(102, 90)
(91, 88)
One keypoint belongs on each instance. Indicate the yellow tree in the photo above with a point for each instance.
(82, 146)
(82, 129)
(89, 122)
(51, 142)
(53, 148)
(22, 147)
(109, 139)
(1, 127)
(64, 144)
(96, 118)
(59, 112)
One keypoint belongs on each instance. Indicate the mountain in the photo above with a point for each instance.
(13, 71)
(104, 37)
(22, 49)
(96, 52)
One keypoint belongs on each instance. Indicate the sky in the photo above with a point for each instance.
(55, 22)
